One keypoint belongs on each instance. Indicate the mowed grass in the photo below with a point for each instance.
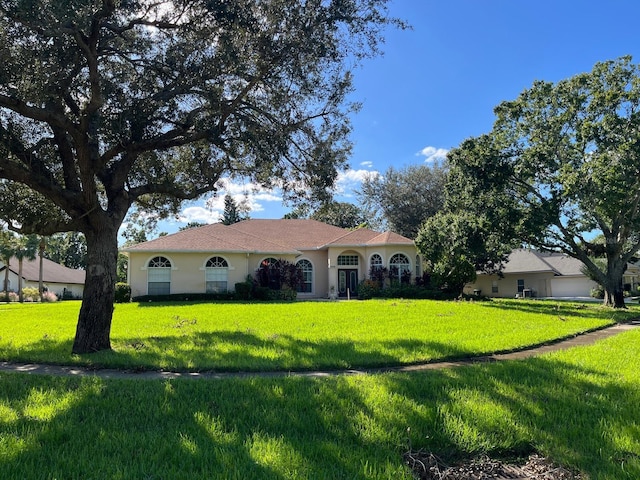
(295, 336)
(579, 407)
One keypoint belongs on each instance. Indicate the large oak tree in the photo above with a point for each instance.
(561, 165)
(111, 104)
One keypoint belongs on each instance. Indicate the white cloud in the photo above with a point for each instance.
(250, 195)
(366, 164)
(433, 154)
(350, 180)
(199, 214)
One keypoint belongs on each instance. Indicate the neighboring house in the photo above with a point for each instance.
(537, 274)
(215, 257)
(63, 281)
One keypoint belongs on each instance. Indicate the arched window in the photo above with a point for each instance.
(307, 276)
(216, 275)
(376, 261)
(159, 276)
(400, 268)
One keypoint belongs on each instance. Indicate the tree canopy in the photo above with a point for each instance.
(340, 214)
(402, 199)
(109, 104)
(561, 165)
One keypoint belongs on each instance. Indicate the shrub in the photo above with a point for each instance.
(597, 292)
(12, 297)
(368, 289)
(123, 292)
(30, 294)
(243, 290)
(49, 297)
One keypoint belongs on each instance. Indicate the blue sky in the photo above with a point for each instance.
(438, 83)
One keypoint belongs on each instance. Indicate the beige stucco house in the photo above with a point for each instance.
(63, 281)
(215, 257)
(541, 274)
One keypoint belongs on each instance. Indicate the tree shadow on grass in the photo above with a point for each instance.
(245, 429)
(576, 415)
(562, 309)
(338, 427)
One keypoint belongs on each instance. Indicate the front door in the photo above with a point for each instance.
(348, 282)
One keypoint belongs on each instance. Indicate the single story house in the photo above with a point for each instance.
(215, 257)
(63, 281)
(541, 274)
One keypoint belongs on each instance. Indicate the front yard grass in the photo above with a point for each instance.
(295, 336)
(580, 407)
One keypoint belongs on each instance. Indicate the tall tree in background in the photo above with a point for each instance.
(108, 104)
(403, 199)
(340, 214)
(561, 163)
(68, 249)
(233, 213)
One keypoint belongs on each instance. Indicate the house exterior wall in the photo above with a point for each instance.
(188, 268)
(386, 252)
(74, 290)
(507, 287)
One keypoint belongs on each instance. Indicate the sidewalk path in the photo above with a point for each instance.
(60, 370)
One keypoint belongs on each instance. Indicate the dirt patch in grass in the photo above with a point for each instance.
(428, 466)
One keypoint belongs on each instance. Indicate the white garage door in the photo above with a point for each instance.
(571, 287)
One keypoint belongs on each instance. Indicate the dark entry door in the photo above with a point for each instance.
(348, 279)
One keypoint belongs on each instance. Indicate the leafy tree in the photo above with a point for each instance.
(563, 162)
(457, 245)
(340, 214)
(403, 199)
(68, 249)
(191, 225)
(147, 104)
(233, 213)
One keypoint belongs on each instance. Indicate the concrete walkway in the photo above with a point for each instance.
(576, 341)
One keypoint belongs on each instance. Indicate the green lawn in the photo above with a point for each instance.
(579, 406)
(295, 336)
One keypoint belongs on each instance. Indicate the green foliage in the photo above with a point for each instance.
(560, 164)
(368, 289)
(403, 199)
(340, 214)
(122, 293)
(68, 249)
(456, 245)
(233, 212)
(128, 105)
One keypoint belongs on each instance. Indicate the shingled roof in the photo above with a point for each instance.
(531, 261)
(267, 236)
(52, 272)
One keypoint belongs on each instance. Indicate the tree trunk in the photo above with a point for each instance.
(20, 294)
(613, 291)
(6, 281)
(94, 322)
(614, 298)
